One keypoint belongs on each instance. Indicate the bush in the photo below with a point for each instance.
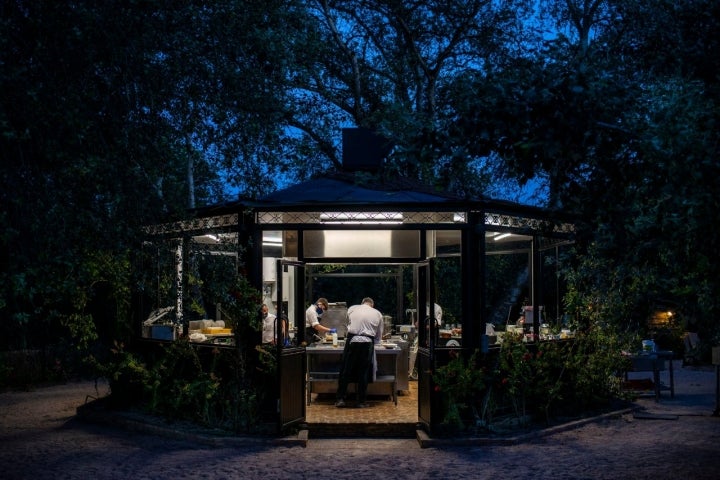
(176, 383)
(524, 383)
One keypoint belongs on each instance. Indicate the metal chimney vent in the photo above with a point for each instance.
(363, 149)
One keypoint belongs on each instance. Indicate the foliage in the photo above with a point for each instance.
(532, 382)
(459, 382)
(178, 384)
(127, 375)
(242, 305)
(113, 118)
(267, 360)
(595, 368)
(526, 375)
(104, 113)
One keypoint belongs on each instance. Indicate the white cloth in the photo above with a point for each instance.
(311, 316)
(365, 323)
(268, 332)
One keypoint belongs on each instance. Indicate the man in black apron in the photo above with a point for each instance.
(365, 329)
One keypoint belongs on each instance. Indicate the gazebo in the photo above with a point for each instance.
(486, 262)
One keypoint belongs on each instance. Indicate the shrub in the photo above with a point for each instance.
(459, 383)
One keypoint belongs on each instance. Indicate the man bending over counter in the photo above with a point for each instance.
(365, 329)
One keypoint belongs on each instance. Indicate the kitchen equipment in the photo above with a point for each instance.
(336, 317)
(387, 325)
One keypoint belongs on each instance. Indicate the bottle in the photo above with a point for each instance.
(333, 332)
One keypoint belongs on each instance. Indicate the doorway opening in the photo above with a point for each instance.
(392, 287)
(391, 266)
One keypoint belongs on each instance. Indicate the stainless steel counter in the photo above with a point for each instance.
(323, 362)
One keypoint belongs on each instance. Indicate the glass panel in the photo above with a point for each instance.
(553, 289)
(211, 271)
(507, 278)
(448, 294)
(160, 286)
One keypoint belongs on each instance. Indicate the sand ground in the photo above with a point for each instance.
(41, 437)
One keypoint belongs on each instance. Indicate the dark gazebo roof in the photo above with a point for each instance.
(349, 189)
(359, 189)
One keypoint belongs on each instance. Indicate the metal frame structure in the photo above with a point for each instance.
(376, 210)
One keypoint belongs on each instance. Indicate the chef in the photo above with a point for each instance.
(365, 329)
(314, 330)
(269, 325)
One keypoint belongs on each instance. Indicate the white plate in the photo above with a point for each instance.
(389, 345)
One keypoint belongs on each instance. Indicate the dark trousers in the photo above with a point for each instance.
(356, 366)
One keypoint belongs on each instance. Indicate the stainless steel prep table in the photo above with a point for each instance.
(323, 362)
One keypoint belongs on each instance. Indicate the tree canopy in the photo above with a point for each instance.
(117, 114)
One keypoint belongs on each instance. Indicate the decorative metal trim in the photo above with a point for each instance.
(360, 217)
(194, 224)
(527, 223)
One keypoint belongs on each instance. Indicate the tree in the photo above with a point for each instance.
(386, 64)
(114, 117)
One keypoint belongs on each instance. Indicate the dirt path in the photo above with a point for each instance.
(680, 439)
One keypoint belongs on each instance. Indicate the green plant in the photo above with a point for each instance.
(542, 380)
(179, 387)
(127, 376)
(459, 382)
(241, 302)
(518, 374)
(267, 359)
(594, 367)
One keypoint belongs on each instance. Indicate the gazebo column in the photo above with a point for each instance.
(473, 253)
(536, 286)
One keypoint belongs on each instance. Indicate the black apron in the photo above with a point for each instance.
(358, 360)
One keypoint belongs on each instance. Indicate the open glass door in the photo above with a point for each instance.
(427, 333)
(290, 354)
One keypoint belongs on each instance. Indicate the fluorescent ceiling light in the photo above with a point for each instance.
(501, 236)
(362, 217)
(272, 238)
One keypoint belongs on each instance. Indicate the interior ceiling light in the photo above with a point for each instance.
(272, 239)
(501, 236)
(362, 217)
